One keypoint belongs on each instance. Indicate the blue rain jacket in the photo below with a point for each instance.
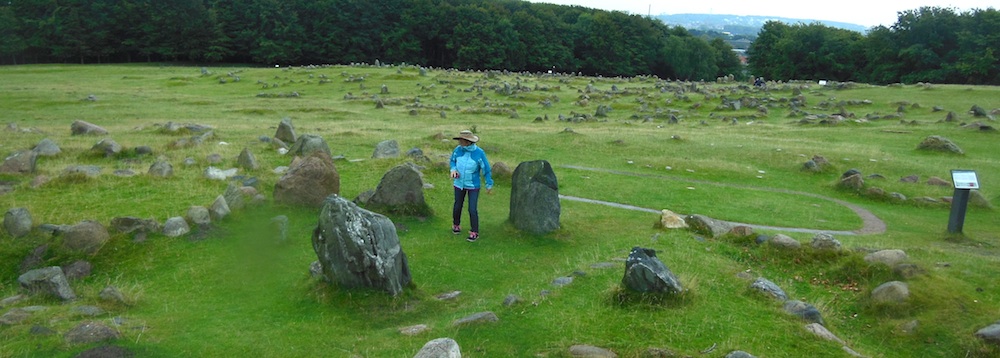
(470, 163)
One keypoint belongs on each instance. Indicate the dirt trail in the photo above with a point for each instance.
(871, 224)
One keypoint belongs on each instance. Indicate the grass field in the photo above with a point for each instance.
(238, 292)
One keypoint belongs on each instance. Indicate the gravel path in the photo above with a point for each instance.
(871, 223)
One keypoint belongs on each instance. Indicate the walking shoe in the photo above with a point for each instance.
(473, 236)
(455, 229)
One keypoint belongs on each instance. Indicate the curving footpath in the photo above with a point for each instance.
(871, 224)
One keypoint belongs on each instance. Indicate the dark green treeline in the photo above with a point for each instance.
(464, 34)
(929, 44)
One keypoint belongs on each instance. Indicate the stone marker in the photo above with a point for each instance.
(534, 198)
(644, 272)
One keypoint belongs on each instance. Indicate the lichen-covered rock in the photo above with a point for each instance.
(644, 272)
(359, 248)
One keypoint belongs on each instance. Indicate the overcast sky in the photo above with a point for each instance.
(862, 12)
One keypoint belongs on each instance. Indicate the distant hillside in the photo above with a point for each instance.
(741, 25)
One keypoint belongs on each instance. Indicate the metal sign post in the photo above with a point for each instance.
(965, 181)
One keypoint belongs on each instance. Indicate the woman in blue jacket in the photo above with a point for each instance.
(468, 166)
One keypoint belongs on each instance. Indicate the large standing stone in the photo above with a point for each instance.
(309, 143)
(644, 272)
(87, 237)
(401, 190)
(308, 181)
(534, 198)
(86, 128)
(359, 248)
(20, 162)
(247, 161)
(17, 222)
(285, 132)
(47, 148)
(48, 280)
(440, 348)
(386, 149)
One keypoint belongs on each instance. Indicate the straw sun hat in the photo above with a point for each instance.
(467, 135)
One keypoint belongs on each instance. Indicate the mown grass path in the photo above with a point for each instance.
(871, 224)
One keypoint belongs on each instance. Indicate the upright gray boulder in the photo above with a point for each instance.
(17, 222)
(48, 280)
(309, 143)
(161, 169)
(401, 190)
(308, 181)
(644, 272)
(107, 147)
(534, 198)
(247, 160)
(386, 149)
(285, 132)
(359, 248)
(440, 348)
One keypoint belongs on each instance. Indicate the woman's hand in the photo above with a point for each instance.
(454, 174)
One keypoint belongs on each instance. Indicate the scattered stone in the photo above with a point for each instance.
(35, 259)
(440, 348)
(107, 147)
(49, 280)
(769, 288)
(131, 224)
(143, 150)
(910, 179)
(990, 334)
(247, 161)
(12, 300)
(562, 281)
(583, 350)
(707, 226)
(219, 209)
(534, 198)
(176, 226)
(89, 311)
(854, 182)
(891, 292)
(37, 330)
(86, 171)
(511, 300)
(78, 270)
(14, 316)
(413, 330)
(21, 162)
(87, 237)
(820, 331)
(113, 294)
(17, 222)
(784, 242)
(161, 169)
(938, 182)
(887, 257)
(740, 231)
(803, 310)
(825, 242)
(285, 132)
(400, 191)
(198, 215)
(644, 272)
(46, 148)
(359, 248)
(91, 332)
(501, 170)
(308, 181)
(939, 144)
(86, 128)
(309, 143)
(672, 220)
(386, 149)
(739, 354)
(475, 318)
